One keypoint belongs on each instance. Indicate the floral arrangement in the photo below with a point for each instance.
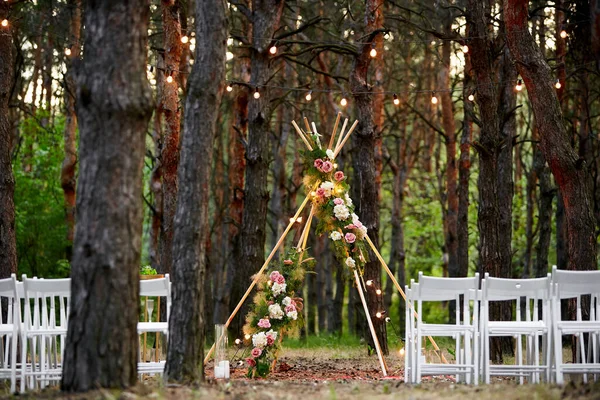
(276, 311)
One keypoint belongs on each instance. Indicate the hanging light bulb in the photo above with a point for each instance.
(378, 315)
(373, 52)
(299, 219)
(396, 100)
(247, 336)
(185, 39)
(471, 97)
(309, 96)
(169, 78)
(256, 93)
(563, 34)
(378, 291)
(369, 282)
(434, 99)
(5, 22)
(465, 49)
(519, 85)
(557, 84)
(238, 341)
(273, 50)
(343, 102)
(67, 52)
(229, 88)
(401, 352)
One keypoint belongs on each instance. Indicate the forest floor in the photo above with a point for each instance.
(332, 374)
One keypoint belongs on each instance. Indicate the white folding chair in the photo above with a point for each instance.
(9, 330)
(408, 336)
(159, 287)
(535, 293)
(464, 330)
(575, 285)
(45, 320)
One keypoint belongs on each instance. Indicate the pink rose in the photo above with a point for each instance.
(350, 237)
(327, 166)
(321, 192)
(270, 340)
(274, 276)
(318, 163)
(288, 262)
(358, 224)
(251, 362)
(290, 308)
(337, 201)
(339, 175)
(350, 226)
(280, 279)
(264, 323)
(256, 352)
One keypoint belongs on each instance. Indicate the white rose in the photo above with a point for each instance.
(350, 262)
(355, 220)
(348, 200)
(293, 315)
(327, 186)
(287, 301)
(272, 333)
(341, 212)
(329, 154)
(362, 232)
(278, 288)
(275, 311)
(259, 340)
(335, 235)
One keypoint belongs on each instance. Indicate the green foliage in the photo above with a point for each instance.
(39, 203)
(147, 270)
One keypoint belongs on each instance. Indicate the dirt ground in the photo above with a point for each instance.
(333, 375)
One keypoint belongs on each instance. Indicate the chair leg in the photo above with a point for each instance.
(560, 379)
(476, 358)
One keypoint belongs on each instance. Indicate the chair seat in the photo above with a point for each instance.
(445, 329)
(45, 331)
(570, 327)
(145, 327)
(7, 329)
(509, 328)
(580, 368)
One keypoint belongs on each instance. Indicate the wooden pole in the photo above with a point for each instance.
(260, 272)
(371, 327)
(393, 278)
(339, 147)
(307, 126)
(332, 138)
(342, 133)
(299, 131)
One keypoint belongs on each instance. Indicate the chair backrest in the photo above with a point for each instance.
(514, 289)
(159, 287)
(46, 302)
(8, 291)
(570, 284)
(431, 288)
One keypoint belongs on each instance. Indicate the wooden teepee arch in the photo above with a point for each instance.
(339, 144)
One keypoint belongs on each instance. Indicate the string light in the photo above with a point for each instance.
(378, 291)
(309, 96)
(557, 84)
(434, 99)
(563, 34)
(401, 352)
(396, 100)
(379, 314)
(247, 336)
(388, 319)
(238, 341)
(519, 85)
(373, 52)
(369, 282)
(67, 51)
(471, 97)
(343, 102)
(229, 88)
(185, 39)
(256, 93)
(169, 78)
(5, 22)
(273, 50)
(299, 219)
(465, 49)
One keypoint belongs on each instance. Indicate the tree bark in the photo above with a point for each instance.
(169, 108)
(67, 173)
(205, 85)
(365, 191)
(114, 106)
(266, 15)
(8, 247)
(568, 170)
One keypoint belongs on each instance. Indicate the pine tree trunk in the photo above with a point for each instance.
(251, 254)
(205, 85)
(8, 247)
(568, 170)
(365, 191)
(169, 108)
(67, 173)
(114, 106)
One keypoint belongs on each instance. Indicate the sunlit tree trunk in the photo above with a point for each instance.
(205, 85)
(114, 106)
(8, 250)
